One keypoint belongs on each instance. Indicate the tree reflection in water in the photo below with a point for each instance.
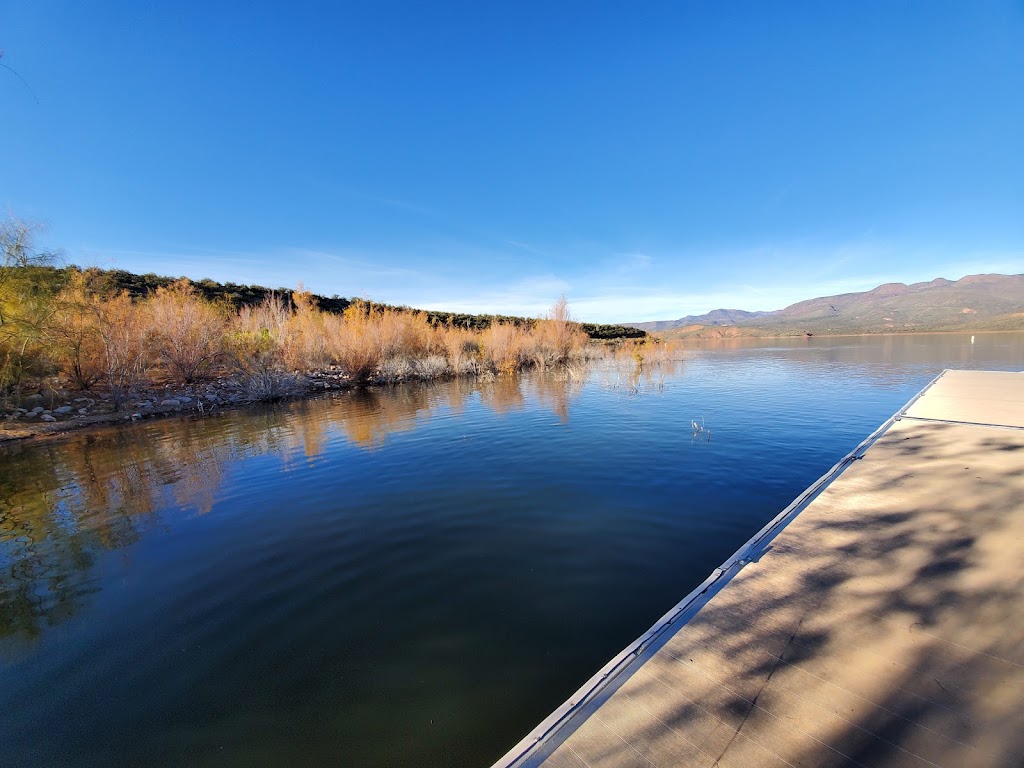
(63, 504)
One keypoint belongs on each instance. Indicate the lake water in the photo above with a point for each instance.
(402, 577)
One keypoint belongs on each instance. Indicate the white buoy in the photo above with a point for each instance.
(972, 339)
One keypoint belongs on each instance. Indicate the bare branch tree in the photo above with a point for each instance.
(17, 74)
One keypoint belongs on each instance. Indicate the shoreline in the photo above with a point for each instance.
(316, 383)
(190, 405)
(194, 402)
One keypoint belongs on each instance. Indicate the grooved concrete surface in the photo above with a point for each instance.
(884, 626)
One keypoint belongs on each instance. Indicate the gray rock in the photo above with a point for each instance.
(64, 409)
(185, 399)
(37, 410)
(34, 399)
(47, 417)
(83, 411)
(170, 401)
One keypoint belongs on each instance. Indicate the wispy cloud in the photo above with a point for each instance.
(525, 247)
(632, 265)
(531, 297)
(601, 286)
(386, 201)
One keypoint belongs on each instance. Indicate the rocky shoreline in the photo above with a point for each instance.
(54, 412)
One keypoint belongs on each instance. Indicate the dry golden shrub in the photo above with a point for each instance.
(355, 347)
(257, 349)
(650, 353)
(557, 338)
(461, 348)
(187, 331)
(503, 347)
(125, 343)
(306, 343)
(271, 315)
(402, 334)
(94, 337)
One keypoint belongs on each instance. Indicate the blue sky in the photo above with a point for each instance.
(649, 160)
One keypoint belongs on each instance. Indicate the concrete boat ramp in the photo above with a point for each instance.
(878, 621)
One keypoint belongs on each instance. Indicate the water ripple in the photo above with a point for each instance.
(409, 576)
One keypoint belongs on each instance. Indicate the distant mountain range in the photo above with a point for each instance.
(975, 302)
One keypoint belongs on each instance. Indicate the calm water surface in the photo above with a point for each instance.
(402, 577)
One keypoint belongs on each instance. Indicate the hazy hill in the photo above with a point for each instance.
(714, 317)
(976, 302)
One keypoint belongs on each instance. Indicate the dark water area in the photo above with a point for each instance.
(411, 576)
